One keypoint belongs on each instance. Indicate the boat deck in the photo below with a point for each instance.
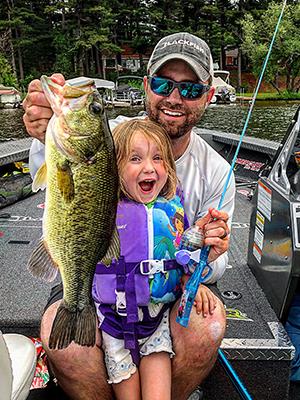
(14, 150)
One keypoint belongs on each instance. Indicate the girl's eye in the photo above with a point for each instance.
(134, 158)
(157, 157)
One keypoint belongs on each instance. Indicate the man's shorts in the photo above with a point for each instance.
(57, 293)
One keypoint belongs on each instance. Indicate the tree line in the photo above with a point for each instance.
(74, 36)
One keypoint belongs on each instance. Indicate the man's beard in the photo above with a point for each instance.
(174, 131)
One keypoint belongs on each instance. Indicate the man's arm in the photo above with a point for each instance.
(36, 118)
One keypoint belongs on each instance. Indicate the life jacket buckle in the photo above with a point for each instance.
(121, 303)
(151, 267)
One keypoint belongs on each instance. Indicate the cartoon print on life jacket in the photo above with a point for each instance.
(165, 287)
(178, 224)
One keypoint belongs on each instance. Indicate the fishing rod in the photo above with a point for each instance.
(238, 384)
(193, 283)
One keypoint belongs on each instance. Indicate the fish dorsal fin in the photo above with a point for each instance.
(53, 92)
(113, 252)
(40, 179)
(65, 182)
(41, 264)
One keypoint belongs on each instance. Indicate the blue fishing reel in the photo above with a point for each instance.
(189, 251)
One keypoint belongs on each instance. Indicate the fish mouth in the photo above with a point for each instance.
(147, 185)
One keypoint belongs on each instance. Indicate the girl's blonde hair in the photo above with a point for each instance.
(123, 135)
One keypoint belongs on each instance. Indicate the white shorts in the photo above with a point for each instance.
(118, 360)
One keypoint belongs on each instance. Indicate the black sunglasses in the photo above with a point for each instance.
(188, 90)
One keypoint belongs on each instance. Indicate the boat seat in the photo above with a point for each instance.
(18, 361)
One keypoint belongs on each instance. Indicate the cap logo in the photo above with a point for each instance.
(184, 42)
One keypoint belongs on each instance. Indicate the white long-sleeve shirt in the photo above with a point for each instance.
(203, 173)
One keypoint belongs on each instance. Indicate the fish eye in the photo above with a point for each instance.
(95, 108)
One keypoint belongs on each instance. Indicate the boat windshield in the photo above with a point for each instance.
(223, 75)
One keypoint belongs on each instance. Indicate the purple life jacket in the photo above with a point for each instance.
(148, 238)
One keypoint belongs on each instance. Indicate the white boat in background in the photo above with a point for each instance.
(224, 92)
(10, 97)
(129, 91)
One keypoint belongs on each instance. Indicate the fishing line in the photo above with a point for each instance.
(241, 389)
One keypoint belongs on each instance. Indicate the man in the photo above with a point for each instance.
(178, 91)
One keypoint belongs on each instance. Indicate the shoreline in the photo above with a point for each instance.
(249, 98)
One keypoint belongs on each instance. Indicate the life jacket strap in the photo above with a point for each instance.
(151, 267)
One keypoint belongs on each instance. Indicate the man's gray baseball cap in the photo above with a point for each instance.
(184, 46)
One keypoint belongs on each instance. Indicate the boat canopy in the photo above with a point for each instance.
(104, 84)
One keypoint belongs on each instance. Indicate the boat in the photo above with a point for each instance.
(15, 179)
(224, 92)
(129, 91)
(256, 288)
(10, 97)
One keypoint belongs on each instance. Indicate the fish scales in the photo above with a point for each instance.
(81, 203)
(81, 219)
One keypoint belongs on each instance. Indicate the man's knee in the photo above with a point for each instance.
(200, 331)
(47, 321)
(210, 329)
(216, 324)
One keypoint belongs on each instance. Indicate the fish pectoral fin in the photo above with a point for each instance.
(114, 249)
(65, 181)
(40, 179)
(40, 263)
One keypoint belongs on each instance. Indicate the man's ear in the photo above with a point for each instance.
(210, 94)
(145, 81)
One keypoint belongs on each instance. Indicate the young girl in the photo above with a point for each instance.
(134, 295)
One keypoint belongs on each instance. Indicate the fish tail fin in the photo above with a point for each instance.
(78, 326)
(86, 326)
(40, 263)
(63, 328)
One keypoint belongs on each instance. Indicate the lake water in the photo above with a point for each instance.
(269, 120)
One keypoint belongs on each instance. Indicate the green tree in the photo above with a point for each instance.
(7, 78)
(82, 37)
(28, 32)
(285, 56)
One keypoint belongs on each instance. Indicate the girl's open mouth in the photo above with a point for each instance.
(147, 185)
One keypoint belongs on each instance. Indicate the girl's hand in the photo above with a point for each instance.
(205, 301)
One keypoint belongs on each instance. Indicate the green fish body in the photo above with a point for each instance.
(80, 208)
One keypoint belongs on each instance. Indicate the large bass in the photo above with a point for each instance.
(80, 172)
